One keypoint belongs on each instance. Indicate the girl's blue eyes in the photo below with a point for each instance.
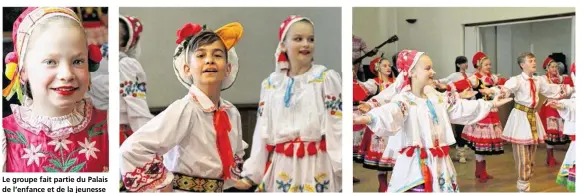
(53, 62)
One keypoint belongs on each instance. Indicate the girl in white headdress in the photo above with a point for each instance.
(297, 139)
(134, 111)
(423, 116)
(199, 135)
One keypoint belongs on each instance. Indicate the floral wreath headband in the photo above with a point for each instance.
(229, 34)
(21, 32)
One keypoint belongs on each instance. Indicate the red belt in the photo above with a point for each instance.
(287, 148)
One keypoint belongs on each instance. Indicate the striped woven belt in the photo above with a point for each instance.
(531, 118)
(196, 184)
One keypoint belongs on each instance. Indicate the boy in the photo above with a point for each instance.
(199, 135)
(524, 128)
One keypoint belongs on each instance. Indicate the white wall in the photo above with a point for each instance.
(368, 25)
(439, 31)
(505, 42)
(255, 50)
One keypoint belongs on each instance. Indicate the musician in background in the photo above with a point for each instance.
(359, 48)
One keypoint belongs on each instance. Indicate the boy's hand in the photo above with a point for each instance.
(499, 101)
(364, 107)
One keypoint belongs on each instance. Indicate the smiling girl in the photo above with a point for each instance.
(420, 119)
(55, 129)
(297, 139)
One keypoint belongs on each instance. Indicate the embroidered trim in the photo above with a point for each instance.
(133, 89)
(523, 141)
(53, 126)
(402, 107)
(268, 84)
(411, 185)
(334, 105)
(319, 78)
(147, 177)
(196, 184)
(285, 184)
(236, 171)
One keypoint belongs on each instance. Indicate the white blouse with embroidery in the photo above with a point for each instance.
(184, 133)
(426, 124)
(134, 110)
(305, 107)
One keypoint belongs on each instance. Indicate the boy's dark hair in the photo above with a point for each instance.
(125, 33)
(523, 56)
(460, 60)
(202, 39)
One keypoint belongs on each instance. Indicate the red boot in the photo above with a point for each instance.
(480, 170)
(485, 170)
(477, 169)
(551, 161)
(382, 178)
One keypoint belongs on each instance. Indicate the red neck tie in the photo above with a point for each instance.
(532, 91)
(464, 75)
(222, 128)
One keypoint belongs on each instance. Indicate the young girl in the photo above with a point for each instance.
(461, 64)
(55, 129)
(423, 116)
(200, 134)
(484, 137)
(375, 145)
(567, 109)
(550, 118)
(134, 111)
(297, 140)
(381, 67)
(361, 92)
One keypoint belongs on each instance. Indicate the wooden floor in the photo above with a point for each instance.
(501, 167)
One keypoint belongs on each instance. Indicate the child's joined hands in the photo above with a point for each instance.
(360, 120)
(555, 104)
(242, 184)
(364, 107)
(467, 94)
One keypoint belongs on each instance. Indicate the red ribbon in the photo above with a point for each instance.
(222, 127)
